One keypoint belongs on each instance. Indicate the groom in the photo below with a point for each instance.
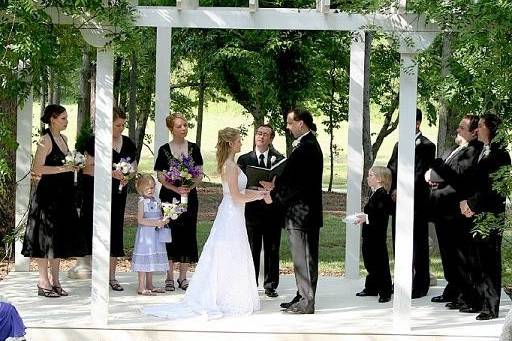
(264, 222)
(298, 191)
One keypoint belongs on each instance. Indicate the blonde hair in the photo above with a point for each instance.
(142, 181)
(169, 120)
(225, 137)
(383, 174)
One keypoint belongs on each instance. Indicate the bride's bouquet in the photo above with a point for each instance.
(124, 165)
(170, 211)
(183, 172)
(74, 159)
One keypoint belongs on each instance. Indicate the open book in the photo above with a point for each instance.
(256, 174)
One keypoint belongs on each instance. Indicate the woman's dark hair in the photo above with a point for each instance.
(118, 113)
(492, 123)
(52, 110)
(305, 116)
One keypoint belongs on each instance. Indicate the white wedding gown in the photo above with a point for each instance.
(224, 282)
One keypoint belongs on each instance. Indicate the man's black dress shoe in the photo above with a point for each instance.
(297, 309)
(454, 305)
(271, 292)
(468, 309)
(384, 299)
(287, 305)
(440, 299)
(486, 316)
(365, 292)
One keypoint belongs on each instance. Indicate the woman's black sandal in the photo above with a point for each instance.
(183, 284)
(114, 284)
(46, 292)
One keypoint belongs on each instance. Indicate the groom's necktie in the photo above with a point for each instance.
(262, 161)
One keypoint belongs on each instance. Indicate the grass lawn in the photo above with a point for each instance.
(332, 249)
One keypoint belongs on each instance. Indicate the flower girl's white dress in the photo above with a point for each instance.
(224, 283)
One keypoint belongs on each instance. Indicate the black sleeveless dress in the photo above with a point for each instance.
(183, 248)
(53, 219)
(128, 150)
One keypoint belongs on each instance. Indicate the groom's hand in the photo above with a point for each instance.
(268, 185)
(267, 198)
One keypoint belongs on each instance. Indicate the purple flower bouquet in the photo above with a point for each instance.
(183, 172)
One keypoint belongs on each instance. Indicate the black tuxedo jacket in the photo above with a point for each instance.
(456, 177)
(485, 198)
(378, 209)
(299, 188)
(257, 209)
(425, 152)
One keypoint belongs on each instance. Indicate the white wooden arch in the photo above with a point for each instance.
(415, 35)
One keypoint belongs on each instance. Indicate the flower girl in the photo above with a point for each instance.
(149, 254)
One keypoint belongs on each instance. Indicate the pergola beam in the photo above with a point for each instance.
(279, 19)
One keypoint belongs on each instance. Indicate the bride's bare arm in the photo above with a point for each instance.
(231, 173)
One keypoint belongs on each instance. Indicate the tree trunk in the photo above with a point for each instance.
(8, 153)
(447, 116)
(118, 64)
(200, 108)
(51, 97)
(132, 100)
(57, 93)
(141, 130)
(367, 141)
(84, 99)
(43, 98)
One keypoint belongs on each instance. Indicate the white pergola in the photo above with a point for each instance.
(414, 34)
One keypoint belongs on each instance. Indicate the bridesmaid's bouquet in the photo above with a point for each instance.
(183, 172)
(74, 159)
(125, 166)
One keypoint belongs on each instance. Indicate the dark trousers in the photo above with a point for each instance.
(455, 245)
(270, 235)
(376, 260)
(304, 248)
(487, 273)
(420, 255)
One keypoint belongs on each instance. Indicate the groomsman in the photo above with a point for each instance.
(263, 221)
(485, 199)
(298, 192)
(449, 180)
(425, 152)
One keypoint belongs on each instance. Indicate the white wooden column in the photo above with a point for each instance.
(405, 193)
(162, 85)
(354, 154)
(102, 187)
(23, 166)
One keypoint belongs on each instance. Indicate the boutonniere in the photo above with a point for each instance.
(418, 141)
(272, 159)
(295, 143)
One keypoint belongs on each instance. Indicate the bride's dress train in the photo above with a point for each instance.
(224, 282)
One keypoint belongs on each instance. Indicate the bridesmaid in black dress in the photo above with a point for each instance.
(123, 147)
(183, 248)
(50, 233)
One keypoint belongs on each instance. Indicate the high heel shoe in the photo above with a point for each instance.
(46, 292)
(60, 291)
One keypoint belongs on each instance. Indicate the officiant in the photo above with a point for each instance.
(264, 222)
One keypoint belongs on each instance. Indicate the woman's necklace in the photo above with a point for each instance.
(117, 143)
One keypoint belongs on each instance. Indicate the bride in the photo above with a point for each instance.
(224, 282)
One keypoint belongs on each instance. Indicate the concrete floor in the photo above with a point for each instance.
(339, 315)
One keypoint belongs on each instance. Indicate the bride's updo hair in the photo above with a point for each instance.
(225, 137)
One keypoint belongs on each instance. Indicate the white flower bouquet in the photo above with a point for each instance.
(75, 159)
(170, 211)
(124, 166)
